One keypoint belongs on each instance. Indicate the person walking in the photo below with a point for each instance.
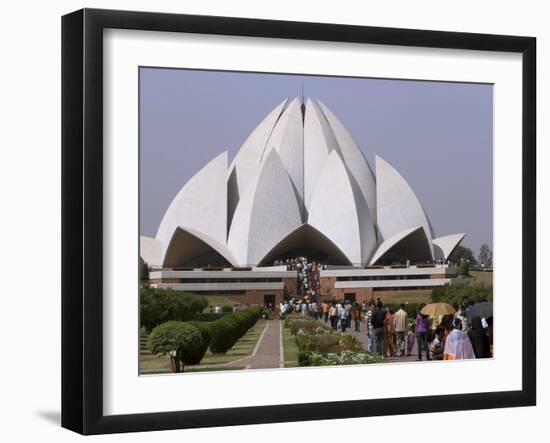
(390, 337)
(400, 328)
(378, 317)
(422, 327)
(479, 339)
(356, 314)
(332, 313)
(368, 324)
(343, 314)
(348, 307)
(326, 308)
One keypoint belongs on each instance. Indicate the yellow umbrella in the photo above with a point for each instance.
(437, 309)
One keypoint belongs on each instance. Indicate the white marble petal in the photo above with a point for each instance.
(287, 139)
(398, 208)
(354, 159)
(444, 246)
(246, 162)
(388, 244)
(319, 142)
(335, 212)
(187, 243)
(200, 205)
(267, 212)
(150, 250)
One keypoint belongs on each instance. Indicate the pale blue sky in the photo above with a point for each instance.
(438, 135)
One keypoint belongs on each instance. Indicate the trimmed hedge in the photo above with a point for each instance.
(204, 328)
(226, 331)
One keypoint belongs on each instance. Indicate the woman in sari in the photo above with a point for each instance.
(457, 344)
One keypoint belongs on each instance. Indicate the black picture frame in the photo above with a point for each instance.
(82, 219)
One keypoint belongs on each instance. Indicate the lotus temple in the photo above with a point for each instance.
(298, 187)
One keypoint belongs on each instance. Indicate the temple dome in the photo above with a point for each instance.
(298, 179)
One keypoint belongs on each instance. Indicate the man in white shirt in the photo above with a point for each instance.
(400, 328)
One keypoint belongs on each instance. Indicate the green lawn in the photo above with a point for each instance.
(152, 364)
(214, 300)
(290, 349)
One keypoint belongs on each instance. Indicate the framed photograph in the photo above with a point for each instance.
(253, 208)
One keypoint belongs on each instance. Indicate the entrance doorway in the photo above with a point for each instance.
(269, 300)
(350, 296)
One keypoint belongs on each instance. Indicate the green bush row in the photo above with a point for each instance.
(191, 339)
(227, 330)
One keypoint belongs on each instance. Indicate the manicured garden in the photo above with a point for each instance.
(182, 335)
(319, 345)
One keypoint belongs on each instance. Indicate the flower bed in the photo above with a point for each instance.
(320, 345)
(338, 358)
(307, 326)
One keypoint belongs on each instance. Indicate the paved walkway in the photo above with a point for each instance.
(268, 350)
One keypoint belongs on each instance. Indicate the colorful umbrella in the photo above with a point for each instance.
(437, 309)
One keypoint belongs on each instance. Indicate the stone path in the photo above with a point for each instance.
(268, 350)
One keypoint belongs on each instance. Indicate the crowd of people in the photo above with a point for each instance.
(393, 334)
(451, 337)
(389, 333)
(307, 274)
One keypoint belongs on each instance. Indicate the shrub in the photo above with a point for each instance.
(464, 268)
(161, 305)
(318, 343)
(350, 343)
(268, 314)
(454, 294)
(326, 343)
(290, 318)
(204, 329)
(179, 340)
(227, 308)
(306, 325)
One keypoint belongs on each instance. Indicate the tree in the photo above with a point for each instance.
(485, 255)
(464, 268)
(461, 253)
(181, 341)
(143, 272)
(161, 305)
